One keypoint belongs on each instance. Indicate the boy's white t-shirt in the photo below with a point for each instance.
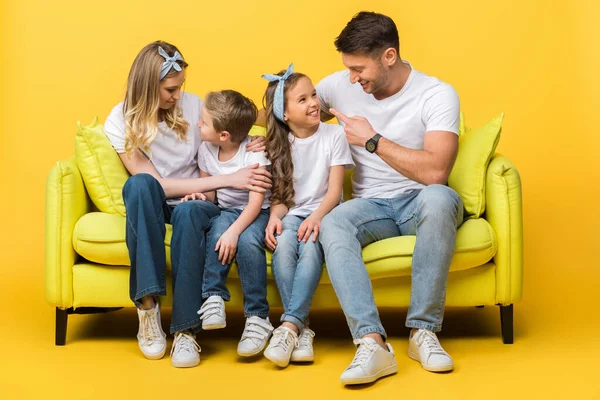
(424, 104)
(312, 158)
(172, 157)
(208, 161)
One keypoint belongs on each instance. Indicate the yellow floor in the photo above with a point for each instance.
(551, 357)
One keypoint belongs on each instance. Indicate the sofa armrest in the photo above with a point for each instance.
(504, 211)
(66, 202)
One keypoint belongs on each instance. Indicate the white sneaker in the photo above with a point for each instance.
(213, 313)
(185, 351)
(370, 363)
(425, 347)
(255, 336)
(151, 337)
(304, 352)
(282, 344)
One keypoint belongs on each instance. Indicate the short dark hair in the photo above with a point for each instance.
(232, 112)
(368, 33)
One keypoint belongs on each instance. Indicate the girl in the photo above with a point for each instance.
(153, 132)
(308, 159)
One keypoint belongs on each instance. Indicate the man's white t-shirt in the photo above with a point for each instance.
(424, 104)
(312, 158)
(171, 156)
(208, 161)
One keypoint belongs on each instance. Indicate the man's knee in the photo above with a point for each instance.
(440, 200)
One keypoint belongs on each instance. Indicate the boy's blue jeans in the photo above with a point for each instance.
(297, 267)
(433, 214)
(250, 259)
(146, 214)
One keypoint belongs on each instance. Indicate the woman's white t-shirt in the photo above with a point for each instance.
(312, 158)
(171, 156)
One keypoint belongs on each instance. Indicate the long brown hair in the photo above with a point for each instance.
(278, 145)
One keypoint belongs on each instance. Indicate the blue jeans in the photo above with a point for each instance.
(147, 213)
(297, 267)
(250, 258)
(432, 214)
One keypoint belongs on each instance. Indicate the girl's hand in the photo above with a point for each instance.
(194, 196)
(257, 143)
(227, 246)
(308, 226)
(251, 178)
(274, 226)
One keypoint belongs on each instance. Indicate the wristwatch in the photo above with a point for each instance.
(371, 144)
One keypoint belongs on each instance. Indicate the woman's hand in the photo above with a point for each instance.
(227, 246)
(194, 196)
(257, 144)
(251, 178)
(275, 226)
(308, 226)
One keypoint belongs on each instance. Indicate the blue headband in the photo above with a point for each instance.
(278, 98)
(170, 62)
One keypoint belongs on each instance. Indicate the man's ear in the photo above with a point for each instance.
(224, 135)
(389, 56)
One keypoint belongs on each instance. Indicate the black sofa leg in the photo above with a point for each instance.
(506, 322)
(61, 326)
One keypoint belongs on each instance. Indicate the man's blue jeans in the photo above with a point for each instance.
(250, 259)
(147, 212)
(432, 214)
(297, 267)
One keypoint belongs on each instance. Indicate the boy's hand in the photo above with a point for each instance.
(227, 246)
(308, 226)
(252, 178)
(257, 144)
(274, 226)
(194, 196)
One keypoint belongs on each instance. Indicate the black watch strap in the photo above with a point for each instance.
(371, 145)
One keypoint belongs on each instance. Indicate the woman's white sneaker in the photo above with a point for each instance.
(304, 352)
(212, 313)
(283, 343)
(425, 347)
(370, 363)
(185, 352)
(151, 337)
(256, 334)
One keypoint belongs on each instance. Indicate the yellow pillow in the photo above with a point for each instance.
(101, 168)
(475, 150)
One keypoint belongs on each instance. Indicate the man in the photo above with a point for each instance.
(402, 127)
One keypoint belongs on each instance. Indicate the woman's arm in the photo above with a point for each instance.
(210, 196)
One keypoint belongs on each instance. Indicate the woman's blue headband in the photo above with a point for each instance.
(170, 62)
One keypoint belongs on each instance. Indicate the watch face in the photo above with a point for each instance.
(370, 146)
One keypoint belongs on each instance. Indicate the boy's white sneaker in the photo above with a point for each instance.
(370, 363)
(256, 334)
(304, 352)
(212, 313)
(185, 352)
(151, 337)
(282, 344)
(425, 347)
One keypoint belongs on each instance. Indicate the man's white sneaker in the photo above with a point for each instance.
(304, 352)
(283, 342)
(151, 337)
(185, 351)
(370, 363)
(213, 313)
(425, 347)
(255, 336)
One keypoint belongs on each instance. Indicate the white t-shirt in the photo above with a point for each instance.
(208, 161)
(312, 158)
(172, 157)
(424, 104)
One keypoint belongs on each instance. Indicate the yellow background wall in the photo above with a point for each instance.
(538, 61)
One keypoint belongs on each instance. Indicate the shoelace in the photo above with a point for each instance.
(185, 342)
(150, 328)
(256, 329)
(211, 307)
(283, 338)
(365, 349)
(429, 340)
(305, 337)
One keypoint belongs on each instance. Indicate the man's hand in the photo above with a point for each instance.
(227, 246)
(194, 196)
(257, 144)
(308, 226)
(358, 129)
(252, 178)
(275, 226)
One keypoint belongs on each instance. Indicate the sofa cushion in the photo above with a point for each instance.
(101, 168)
(100, 238)
(475, 150)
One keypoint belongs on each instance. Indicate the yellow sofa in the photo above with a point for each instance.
(87, 260)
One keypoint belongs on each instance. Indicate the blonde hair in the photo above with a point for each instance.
(142, 100)
(232, 112)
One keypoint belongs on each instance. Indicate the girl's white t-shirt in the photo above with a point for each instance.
(312, 158)
(171, 156)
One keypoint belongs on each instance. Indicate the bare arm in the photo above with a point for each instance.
(275, 226)
(210, 196)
